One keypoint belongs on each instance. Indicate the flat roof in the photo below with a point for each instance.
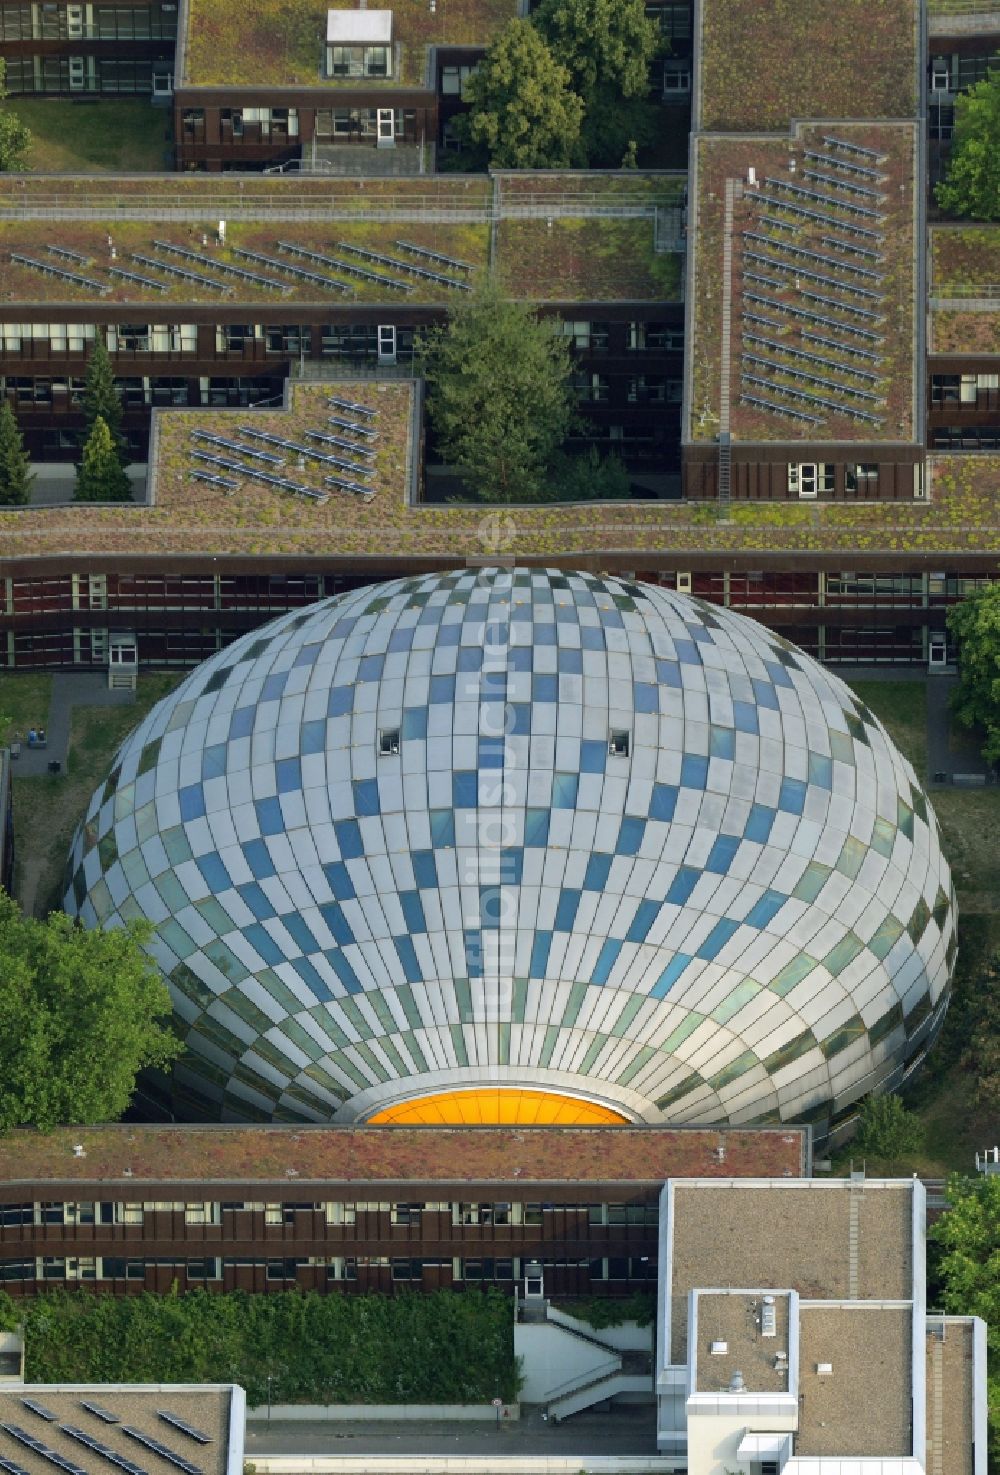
(291, 1156)
(206, 1409)
(964, 289)
(951, 1417)
(863, 1406)
(262, 46)
(559, 238)
(733, 1319)
(822, 286)
(195, 520)
(762, 66)
(796, 1236)
(359, 27)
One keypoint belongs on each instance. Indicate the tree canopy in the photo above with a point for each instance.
(15, 467)
(15, 136)
(886, 1130)
(967, 1244)
(975, 622)
(100, 476)
(524, 113)
(101, 397)
(498, 394)
(971, 186)
(81, 1013)
(606, 44)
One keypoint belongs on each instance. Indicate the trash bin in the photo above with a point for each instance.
(54, 765)
(15, 750)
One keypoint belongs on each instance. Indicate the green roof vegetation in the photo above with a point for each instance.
(965, 289)
(283, 43)
(764, 64)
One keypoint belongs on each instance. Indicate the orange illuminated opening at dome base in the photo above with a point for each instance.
(498, 1108)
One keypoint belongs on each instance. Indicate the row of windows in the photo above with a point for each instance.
(213, 1212)
(44, 74)
(338, 1267)
(812, 479)
(595, 337)
(643, 389)
(137, 393)
(48, 21)
(962, 389)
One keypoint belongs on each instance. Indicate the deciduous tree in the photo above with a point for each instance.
(100, 476)
(498, 395)
(606, 44)
(15, 466)
(971, 186)
(524, 113)
(886, 1130)
(967, 1239)
(81, 1012)
(101, 397)
(15, 136)
(975, 622)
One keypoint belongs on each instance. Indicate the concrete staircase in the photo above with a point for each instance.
(600, 1369)
(633, 1374)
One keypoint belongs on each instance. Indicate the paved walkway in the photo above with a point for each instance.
(69, 689)
(953, 752)
(629, 1430)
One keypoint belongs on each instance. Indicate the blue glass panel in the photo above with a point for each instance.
(424, 868)
(699, 633)
(759, 822)
(401, 639)
(414, 722)
(511, 865)
(792, 796)
(344, 626)
(645, 696)
(269, 816)
(668, 673)
(296, 927)
(669, 976)
(465, 788)
(366, 801)
(212, 867)
(766, 695)
(545, 687)
(611, 618)
(645, 915)
(262, 942)
(821, 770)
(598, 869)
(312, 978)
(241, 722)
(344, 971)
(213, 761)
(694, 771)
(339, 881)
(540, 954)
(335, 920)
(717, 938)
(779, 676)
(722, 742)
(721, 855)
(340, 701)
(442, 827)
(592, 637)
(606, 959)
(307, 655)
(745, 717)
(312, 738)
(413, 911)
(258, 858)
(519, 658)
(544, 634)
(569, 901)
(687, 652)
(536, 828)
(370, 668)
(564, 790)
(274, 686)
(518, 719)
(593, 756)
(348, 834)
(470, 658)
(474, 953)
(408, 958)
(192, 801)
(442, 689)
(256, 900)
(663, 802)
(449, 635)
(570, 661)
(288, 772)
(491, 752)
(682, 885)
(766, 909)
(493, 686)
(630, 835)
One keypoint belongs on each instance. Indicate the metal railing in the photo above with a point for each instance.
(956, 290)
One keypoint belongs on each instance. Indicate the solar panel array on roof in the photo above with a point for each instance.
(801, 253)
(251, 473)
(184, 1426)
(805, 357)
(181, 272)
(225, 267)
(39, 1409)
(759, 403)
(136, 279)
(342, 485)
(163, 1450)
(377, 259)
(435, 256)
(844, 166)
(336, 403)
(851, 248)
(805, 274)
(851, 350)
(104, 1414)
(298, 272)
(856, 149)
(863, 191)
(11, 1467)
(340, 441)
(67, 255)
(350, 267)
(49, 269)
(233, 445)
(42, 1450)
(111, 1455)
(365, 431)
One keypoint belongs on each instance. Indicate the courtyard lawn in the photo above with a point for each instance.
(95, 137)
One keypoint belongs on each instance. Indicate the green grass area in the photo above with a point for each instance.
(48, 809)
(95, 137)
(24, 703)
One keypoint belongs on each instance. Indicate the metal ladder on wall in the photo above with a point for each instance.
(734, 191)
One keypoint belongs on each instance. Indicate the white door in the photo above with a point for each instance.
(386, 343)
(74, 22)
(534, 1284)
(937, 650)
(386, 124)
(77, 74)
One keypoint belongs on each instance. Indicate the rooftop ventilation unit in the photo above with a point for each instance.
(719, 1349)
(824, 1369)
(769, 1318)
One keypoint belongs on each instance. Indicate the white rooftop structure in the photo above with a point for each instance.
(359, 27)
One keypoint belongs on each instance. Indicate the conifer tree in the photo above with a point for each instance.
(15, 465)
(100, 477)
(101, 398)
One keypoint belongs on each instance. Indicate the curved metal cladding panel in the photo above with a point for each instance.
(529, 829)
